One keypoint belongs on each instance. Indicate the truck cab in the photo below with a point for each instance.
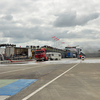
(40, 54)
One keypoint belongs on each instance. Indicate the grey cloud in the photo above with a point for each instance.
(36, 21)
(83, 34)
(20, 34)
(90, 34)
(7, 17)
(42, 33)
(23, 34)
(72, 19)
(18, 7)
(89, 46)
(19, 40)
(26, 34)
(4, 40)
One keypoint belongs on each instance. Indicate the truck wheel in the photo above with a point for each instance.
(46, 59)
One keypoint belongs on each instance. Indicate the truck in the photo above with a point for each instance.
(41, 54)
(70, 55)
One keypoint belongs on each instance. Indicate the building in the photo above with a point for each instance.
(18, 52)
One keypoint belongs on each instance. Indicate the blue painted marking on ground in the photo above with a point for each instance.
(15, 87)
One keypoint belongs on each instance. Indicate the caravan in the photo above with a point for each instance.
(53, 55)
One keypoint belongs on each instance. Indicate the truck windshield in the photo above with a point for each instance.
(36, 52)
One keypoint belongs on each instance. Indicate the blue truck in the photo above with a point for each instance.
(69, 55)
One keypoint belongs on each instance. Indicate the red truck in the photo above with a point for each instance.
(40, 54)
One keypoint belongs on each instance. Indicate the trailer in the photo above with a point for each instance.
(53, 55)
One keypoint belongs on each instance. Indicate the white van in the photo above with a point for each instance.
(53, 55)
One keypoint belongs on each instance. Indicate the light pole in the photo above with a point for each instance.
(56, 39)
(62, 43)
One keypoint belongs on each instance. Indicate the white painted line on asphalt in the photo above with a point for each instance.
(18, 70)
(33, 93)
(4, 97)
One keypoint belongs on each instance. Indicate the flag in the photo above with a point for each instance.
(63, 42)
(57, 39)
(53, 37)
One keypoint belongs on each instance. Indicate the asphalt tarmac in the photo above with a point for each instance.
(62, 81)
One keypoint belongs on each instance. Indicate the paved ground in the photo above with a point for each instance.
(62, 81)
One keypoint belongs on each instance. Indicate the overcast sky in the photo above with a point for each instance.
(35, 22)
